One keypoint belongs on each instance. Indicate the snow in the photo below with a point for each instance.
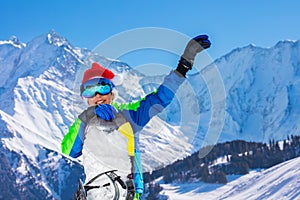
(221, 160)
(14, 42)
(279, 182)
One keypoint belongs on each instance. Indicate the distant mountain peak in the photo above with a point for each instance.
(286, 43)
(56, 39)
(14, 41)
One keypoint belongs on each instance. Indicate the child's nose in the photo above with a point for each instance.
(98, 94)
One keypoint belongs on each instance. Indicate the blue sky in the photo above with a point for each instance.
(230, 24)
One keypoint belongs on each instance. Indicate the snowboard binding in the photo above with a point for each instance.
(82, 190)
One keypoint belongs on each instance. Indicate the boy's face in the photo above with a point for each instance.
(100, 99)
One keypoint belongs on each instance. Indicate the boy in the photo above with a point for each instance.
(109, 131)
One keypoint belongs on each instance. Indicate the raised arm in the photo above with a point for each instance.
(142, 111)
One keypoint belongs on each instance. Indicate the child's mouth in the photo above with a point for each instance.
(99, 102)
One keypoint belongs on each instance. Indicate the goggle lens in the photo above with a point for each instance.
(91, 87)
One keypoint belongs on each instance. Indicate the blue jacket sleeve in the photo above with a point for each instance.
(142, 111)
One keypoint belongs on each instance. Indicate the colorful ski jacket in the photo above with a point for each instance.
(136, 114)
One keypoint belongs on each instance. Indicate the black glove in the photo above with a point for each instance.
(195, 45)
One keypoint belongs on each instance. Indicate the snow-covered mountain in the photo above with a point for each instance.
(262, 96)
(262, 91)
(39, 99)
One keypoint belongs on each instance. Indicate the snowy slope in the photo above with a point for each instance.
(279, 182)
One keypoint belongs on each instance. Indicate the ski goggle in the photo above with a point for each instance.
(102, 86)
